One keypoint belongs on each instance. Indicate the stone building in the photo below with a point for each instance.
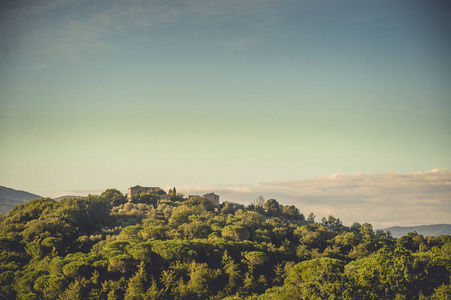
(210, 196)
(213, 198)
(132, 191)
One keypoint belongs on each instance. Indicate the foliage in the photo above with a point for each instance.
(103, 247)
(236, 233)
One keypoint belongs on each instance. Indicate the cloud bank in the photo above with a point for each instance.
(383, 199)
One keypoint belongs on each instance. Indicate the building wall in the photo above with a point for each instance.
(213, 198)
(138, 189)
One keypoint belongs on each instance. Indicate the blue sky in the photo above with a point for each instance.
(99, 94)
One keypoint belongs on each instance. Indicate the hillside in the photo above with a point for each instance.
(425, 230)
(11, 197)
(105, 247)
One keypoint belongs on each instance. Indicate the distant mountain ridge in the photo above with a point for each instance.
(11, 197)
(425, 230)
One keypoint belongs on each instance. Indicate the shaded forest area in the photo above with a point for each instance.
(103, 247)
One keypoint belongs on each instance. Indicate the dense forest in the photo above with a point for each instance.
(104, 247)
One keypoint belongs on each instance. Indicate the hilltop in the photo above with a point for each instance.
(10, 197)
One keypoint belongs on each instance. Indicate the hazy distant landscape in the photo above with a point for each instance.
(425, 230)
(11, 197)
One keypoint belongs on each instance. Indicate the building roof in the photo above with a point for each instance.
(146, 187)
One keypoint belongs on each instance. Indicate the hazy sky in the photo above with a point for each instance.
(100, 94)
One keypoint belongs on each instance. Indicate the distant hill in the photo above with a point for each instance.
(434, 230)
(11, 197)
(66, 197)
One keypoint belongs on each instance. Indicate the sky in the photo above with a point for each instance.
(239, 97)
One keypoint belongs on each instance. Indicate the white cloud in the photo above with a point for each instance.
(383, 199)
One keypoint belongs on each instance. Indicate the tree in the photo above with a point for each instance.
(150, 197)
(200, 278)
(114, 196)
(411, 241)
(181, 215)
(136, 285)
(199, 203)
(259, 201)
(355, 227)
(291, 212)
(196, 230)
(233, 272)
(256, 257)
(154, 232)
(50, 286)
(366, 230)
(52, 245)
(6, 289)
(123, 263)
(393, 273)
(141, 252)
(272, 207)
(230, 208)
(319, 271)
(236, 233)
(76, 269)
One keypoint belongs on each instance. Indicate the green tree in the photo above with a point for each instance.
(114, 196)
(122, 263)
(50, 286)
(366, 230)
(256, 258)
(136, 288)
(235, 232)
(195, 230)
(154, 232)
(272, 207)
(231, 269)
(199, 204)
(200, 279)
(76, 269)
(318, 270)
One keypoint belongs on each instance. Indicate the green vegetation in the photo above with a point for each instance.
(103, 247)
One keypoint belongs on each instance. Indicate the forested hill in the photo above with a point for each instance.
(11, 197)
(434, 230)
(103, 247)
